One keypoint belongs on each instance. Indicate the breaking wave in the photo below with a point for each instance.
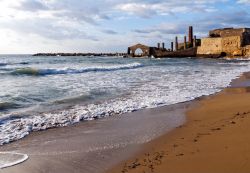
(44, 72)
(159, 83)
(3, 64)
(19, 63)
(7, 105)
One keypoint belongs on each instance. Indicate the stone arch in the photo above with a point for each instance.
(145, 50)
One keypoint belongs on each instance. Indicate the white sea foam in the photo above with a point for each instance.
(180, 89)
(146, 87)
(8, 159)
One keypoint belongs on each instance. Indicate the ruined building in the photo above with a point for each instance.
(178, 49)
(228, 42)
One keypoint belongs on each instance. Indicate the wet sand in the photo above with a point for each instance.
(215, 138)
(94, 146)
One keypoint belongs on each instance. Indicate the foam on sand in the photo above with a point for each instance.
(8, 159)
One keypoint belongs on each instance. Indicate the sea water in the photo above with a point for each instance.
(37, 93)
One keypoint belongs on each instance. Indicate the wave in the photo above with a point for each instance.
(175, 87)
(236, 59)
(7, 105)
(92, 95)
(18, 63)
(3, 64)
(44, 72)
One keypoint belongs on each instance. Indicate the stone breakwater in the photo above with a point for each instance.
(81, 54)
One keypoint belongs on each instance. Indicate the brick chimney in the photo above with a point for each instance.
(190, 35)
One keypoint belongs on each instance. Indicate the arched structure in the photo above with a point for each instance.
(146, 51)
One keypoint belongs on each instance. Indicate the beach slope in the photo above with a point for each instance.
(215, 138)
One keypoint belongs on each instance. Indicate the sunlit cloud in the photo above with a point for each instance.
(28, 26)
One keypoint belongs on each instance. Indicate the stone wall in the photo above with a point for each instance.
(191, 52)
(227, 32)
(210, 46)
(232, 45)
(247, 51)
(229, 45)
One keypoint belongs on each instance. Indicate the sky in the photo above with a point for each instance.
(32, 26)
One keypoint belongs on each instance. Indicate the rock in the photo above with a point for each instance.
(237, 53)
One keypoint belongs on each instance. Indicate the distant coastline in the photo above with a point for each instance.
(81, 54)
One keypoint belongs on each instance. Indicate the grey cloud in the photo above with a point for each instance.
(81, 11)
(222, 20)
(164, 29)
(150, 8)
(48, 29)
(92, 12)
(201, 26)
(32, 5)
(143, 31)
(109, 31)
(77, 16)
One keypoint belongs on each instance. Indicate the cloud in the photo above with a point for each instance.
(109, 24)
(109, 31)
(50, 29)
(168, 30)
(32, 5)
(243, 1)
(148, 8)
(142, 10)
(80, 11)
(164, 28)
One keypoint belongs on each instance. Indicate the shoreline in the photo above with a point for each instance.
(213, 139)
(94, 146)
(59, 141)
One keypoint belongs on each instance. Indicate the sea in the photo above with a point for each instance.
(38, 93)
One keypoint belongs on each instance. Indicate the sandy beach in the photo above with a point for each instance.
(214, 139)
(122, 86)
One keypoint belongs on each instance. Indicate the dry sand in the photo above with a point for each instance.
(215, 139)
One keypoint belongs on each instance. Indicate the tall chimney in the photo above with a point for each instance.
(159, 45)
(163, 45)
(176, 43)
(172, 46)
(185, 42)
(194, 43)
(190, 35)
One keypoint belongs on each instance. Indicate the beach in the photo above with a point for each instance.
(102, 112)
(214, 139)
(93, 146)
(124, 86)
